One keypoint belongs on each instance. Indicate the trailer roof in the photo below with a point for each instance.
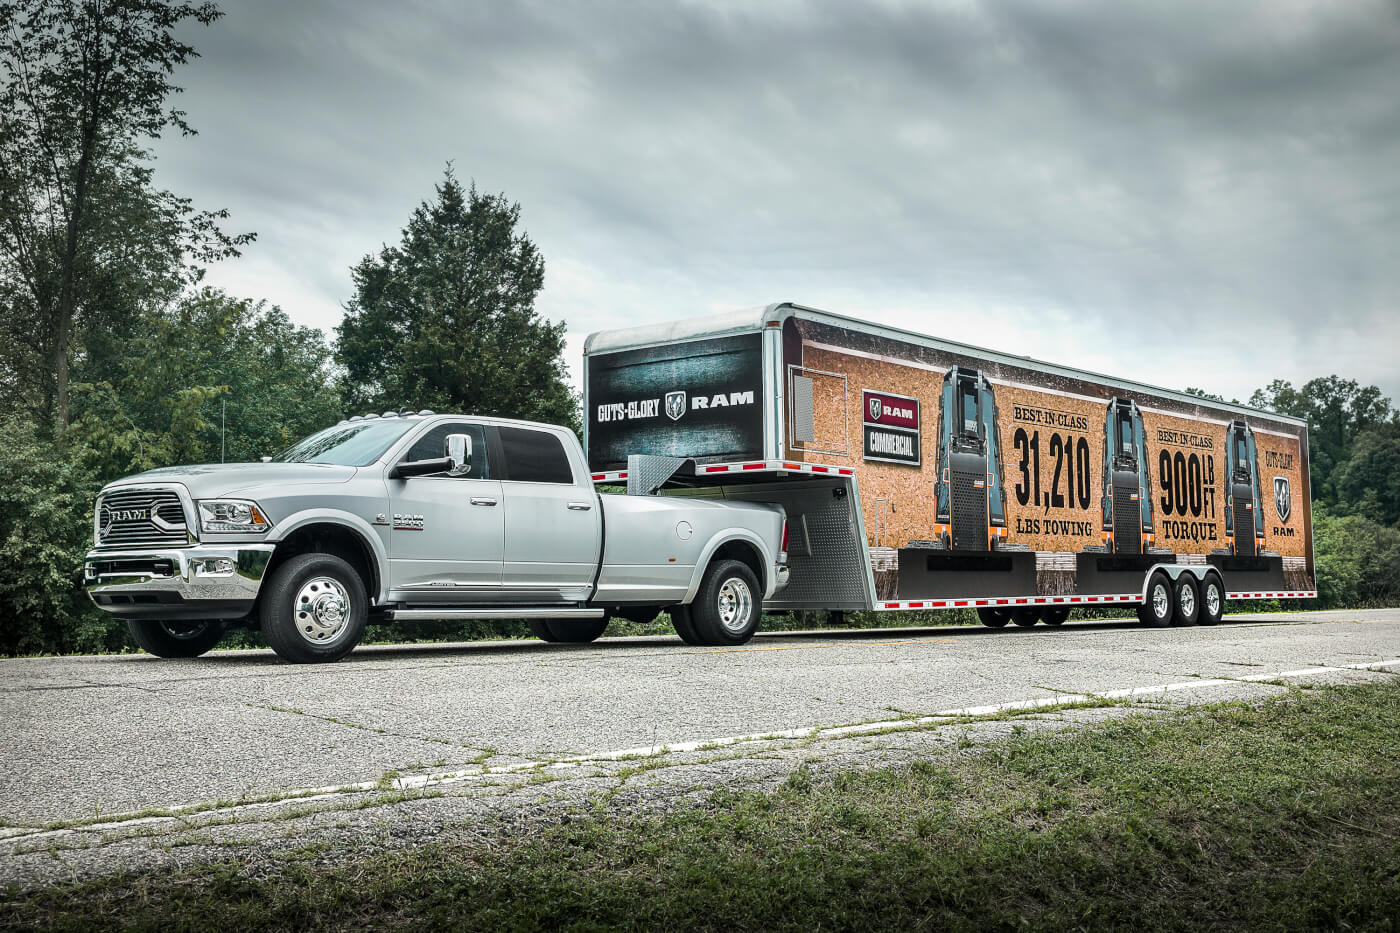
(750, 320)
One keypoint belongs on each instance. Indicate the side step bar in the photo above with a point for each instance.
(457, 615)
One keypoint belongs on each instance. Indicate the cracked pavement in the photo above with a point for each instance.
(88, 738)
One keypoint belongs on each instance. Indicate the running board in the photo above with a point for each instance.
(457, 615)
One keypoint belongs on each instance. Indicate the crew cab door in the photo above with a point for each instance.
(553, 518)
(447, 533)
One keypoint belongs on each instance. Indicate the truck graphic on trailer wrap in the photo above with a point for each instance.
(970, 501)
(1127, 482)
(1244, 524)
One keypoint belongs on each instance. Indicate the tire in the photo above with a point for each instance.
(313, 609)
(1212, 606)
(540, 629)
(576, 631)
(1186, 600)
(1054, 615)
(727, 607)
(1025, 617)
(994, 618)
(169, 638)
(680, 621)
(1157, 611)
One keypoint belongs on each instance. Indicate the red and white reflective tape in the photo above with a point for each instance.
(1014, 601)
(1011, 601)
(752, 466)
(1291, 594)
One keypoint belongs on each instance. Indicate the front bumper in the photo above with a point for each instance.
(202, 582)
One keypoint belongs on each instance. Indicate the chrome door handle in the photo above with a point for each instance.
(483, 500)
(580, 506)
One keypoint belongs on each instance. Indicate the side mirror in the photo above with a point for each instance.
(458, 448)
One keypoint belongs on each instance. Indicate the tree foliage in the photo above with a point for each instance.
(84, 237)
(446, 319)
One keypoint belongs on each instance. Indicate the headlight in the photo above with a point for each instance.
(232, 515)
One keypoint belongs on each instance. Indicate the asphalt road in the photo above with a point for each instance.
(91, 736)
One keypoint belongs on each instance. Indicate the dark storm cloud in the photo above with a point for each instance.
(1044, 178)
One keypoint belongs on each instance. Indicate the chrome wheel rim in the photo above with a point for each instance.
(735, 604)
(184, 631)
(1212, 599)
(1187, 597)
(1161, 601)
(322, 610)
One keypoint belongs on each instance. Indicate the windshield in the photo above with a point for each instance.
(357, 444)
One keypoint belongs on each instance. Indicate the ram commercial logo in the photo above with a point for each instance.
(1283, 498)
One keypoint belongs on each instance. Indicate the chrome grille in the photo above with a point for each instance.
(969, 511)
(141, 518)
(1127, 520)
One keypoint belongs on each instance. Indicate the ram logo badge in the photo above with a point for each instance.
(675, 405)
(1283, 498)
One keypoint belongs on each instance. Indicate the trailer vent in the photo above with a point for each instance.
(1127, 521)
(969, 511)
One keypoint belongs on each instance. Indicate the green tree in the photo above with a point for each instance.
(446, 320)
(84, 237)
(211, 360)
(1337, 411)
(1368, 481)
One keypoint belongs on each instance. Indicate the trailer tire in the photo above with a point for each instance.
(727, 607)
(168, 638)
(576, 631)
(1025, 617)
(1157, 611)
(680, 621)
(1054, 615)
(1186, 600)
(1212, 603)
(994, 618)
(313, 609)
(540, 629)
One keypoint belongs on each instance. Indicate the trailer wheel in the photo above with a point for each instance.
(1186, 600)
(728, 605)
(1026, 617)
(1054, 615)
(575, 631)
(314, 609)
(171, 639)
(994, 618)
(1157, 611)
(1212, 600)
(680, 621)
(540, 629)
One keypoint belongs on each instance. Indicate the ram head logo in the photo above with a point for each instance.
(675, 405)
(876, 408)
(1283, 498)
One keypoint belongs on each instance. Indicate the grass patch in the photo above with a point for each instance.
(1282, 815)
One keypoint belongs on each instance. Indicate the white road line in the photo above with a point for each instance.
(422, 781)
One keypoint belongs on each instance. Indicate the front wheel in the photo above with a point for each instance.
(171, 639)
(314, 609)
(1157, 611)
(727, 606)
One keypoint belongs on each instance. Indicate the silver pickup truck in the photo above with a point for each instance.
(414, 517)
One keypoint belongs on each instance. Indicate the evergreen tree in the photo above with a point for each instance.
(446, 319)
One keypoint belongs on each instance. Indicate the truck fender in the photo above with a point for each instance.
(718, 540)
(355, 523)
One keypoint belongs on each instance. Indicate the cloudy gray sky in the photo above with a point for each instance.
(1187, 193)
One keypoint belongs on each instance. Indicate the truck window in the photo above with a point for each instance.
(431, 446)
(535, 457)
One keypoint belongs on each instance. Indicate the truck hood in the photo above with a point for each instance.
(210, 480)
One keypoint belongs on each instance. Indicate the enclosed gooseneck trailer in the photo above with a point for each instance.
(920, 473)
